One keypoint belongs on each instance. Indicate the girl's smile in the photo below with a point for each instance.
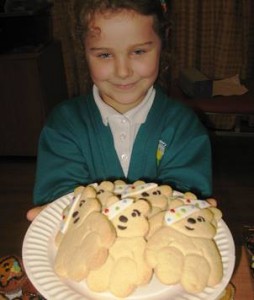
(125, 86)
(123, 53)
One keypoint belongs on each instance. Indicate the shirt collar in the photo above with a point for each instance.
(137, 115)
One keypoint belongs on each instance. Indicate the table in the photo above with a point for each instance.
(242, 279)
(224, 115)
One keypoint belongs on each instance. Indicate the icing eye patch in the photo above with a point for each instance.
(181, 212)
(114, 209)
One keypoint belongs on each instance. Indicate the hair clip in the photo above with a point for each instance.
(164, 5)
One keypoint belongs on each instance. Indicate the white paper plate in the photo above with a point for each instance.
(39, 252)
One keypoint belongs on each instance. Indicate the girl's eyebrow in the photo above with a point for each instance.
(98, 49)
(149, 43)
(133, 46)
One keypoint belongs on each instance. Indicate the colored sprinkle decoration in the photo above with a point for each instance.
(114, 209)
(178, 213)
(15, 268)
(129, 190)
(198, 203)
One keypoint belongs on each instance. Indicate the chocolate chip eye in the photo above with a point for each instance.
(191, 220)
(157, 193)
(145, 194)
(75, 216)
(100, 191)
(135, 213)
(123, 219)
(201, 219)
(82, 202)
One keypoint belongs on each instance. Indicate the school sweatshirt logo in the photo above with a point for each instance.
(160, 151)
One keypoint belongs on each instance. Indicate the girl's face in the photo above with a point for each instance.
(123, 53)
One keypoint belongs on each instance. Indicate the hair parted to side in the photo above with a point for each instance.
(85, 10)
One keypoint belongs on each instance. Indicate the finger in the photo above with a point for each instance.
(212, 202)
(33, 212)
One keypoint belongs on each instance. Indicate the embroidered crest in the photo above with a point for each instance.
(160, 151)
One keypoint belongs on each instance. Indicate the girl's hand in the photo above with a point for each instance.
(212, 201)
(33, 212)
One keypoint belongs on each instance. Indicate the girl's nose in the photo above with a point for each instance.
(123, 68)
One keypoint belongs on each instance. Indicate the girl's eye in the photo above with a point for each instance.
(139, 52)
(104, 55)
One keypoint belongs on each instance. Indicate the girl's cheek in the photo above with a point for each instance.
(100, 74)
(100, 71)
(147, 70)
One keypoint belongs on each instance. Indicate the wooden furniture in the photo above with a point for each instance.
(31, 84)
(223, 114)
(242, 279)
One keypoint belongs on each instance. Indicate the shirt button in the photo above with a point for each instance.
(122, 136)
(123, 121)
(124, 157)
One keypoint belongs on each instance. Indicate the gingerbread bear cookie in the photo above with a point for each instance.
(12, 275)
(125, 268)
(14, 281)
(86, 235)
(183, 249)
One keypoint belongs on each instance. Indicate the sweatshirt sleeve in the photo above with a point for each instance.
(186, 163)
(60, 161)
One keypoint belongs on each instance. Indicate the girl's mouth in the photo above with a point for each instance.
(125, 86)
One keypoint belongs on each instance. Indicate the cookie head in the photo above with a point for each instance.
(192, 221)
(133, 190)
(158, 191)
(103, 191)
(83, 203)
(129, 217)
(158, 197)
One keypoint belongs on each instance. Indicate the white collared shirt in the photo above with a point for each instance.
(124, 127)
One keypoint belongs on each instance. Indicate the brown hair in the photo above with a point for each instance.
(84, 10)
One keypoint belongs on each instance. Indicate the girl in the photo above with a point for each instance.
(126, 127)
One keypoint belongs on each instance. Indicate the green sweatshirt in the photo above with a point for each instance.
(76, 148)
